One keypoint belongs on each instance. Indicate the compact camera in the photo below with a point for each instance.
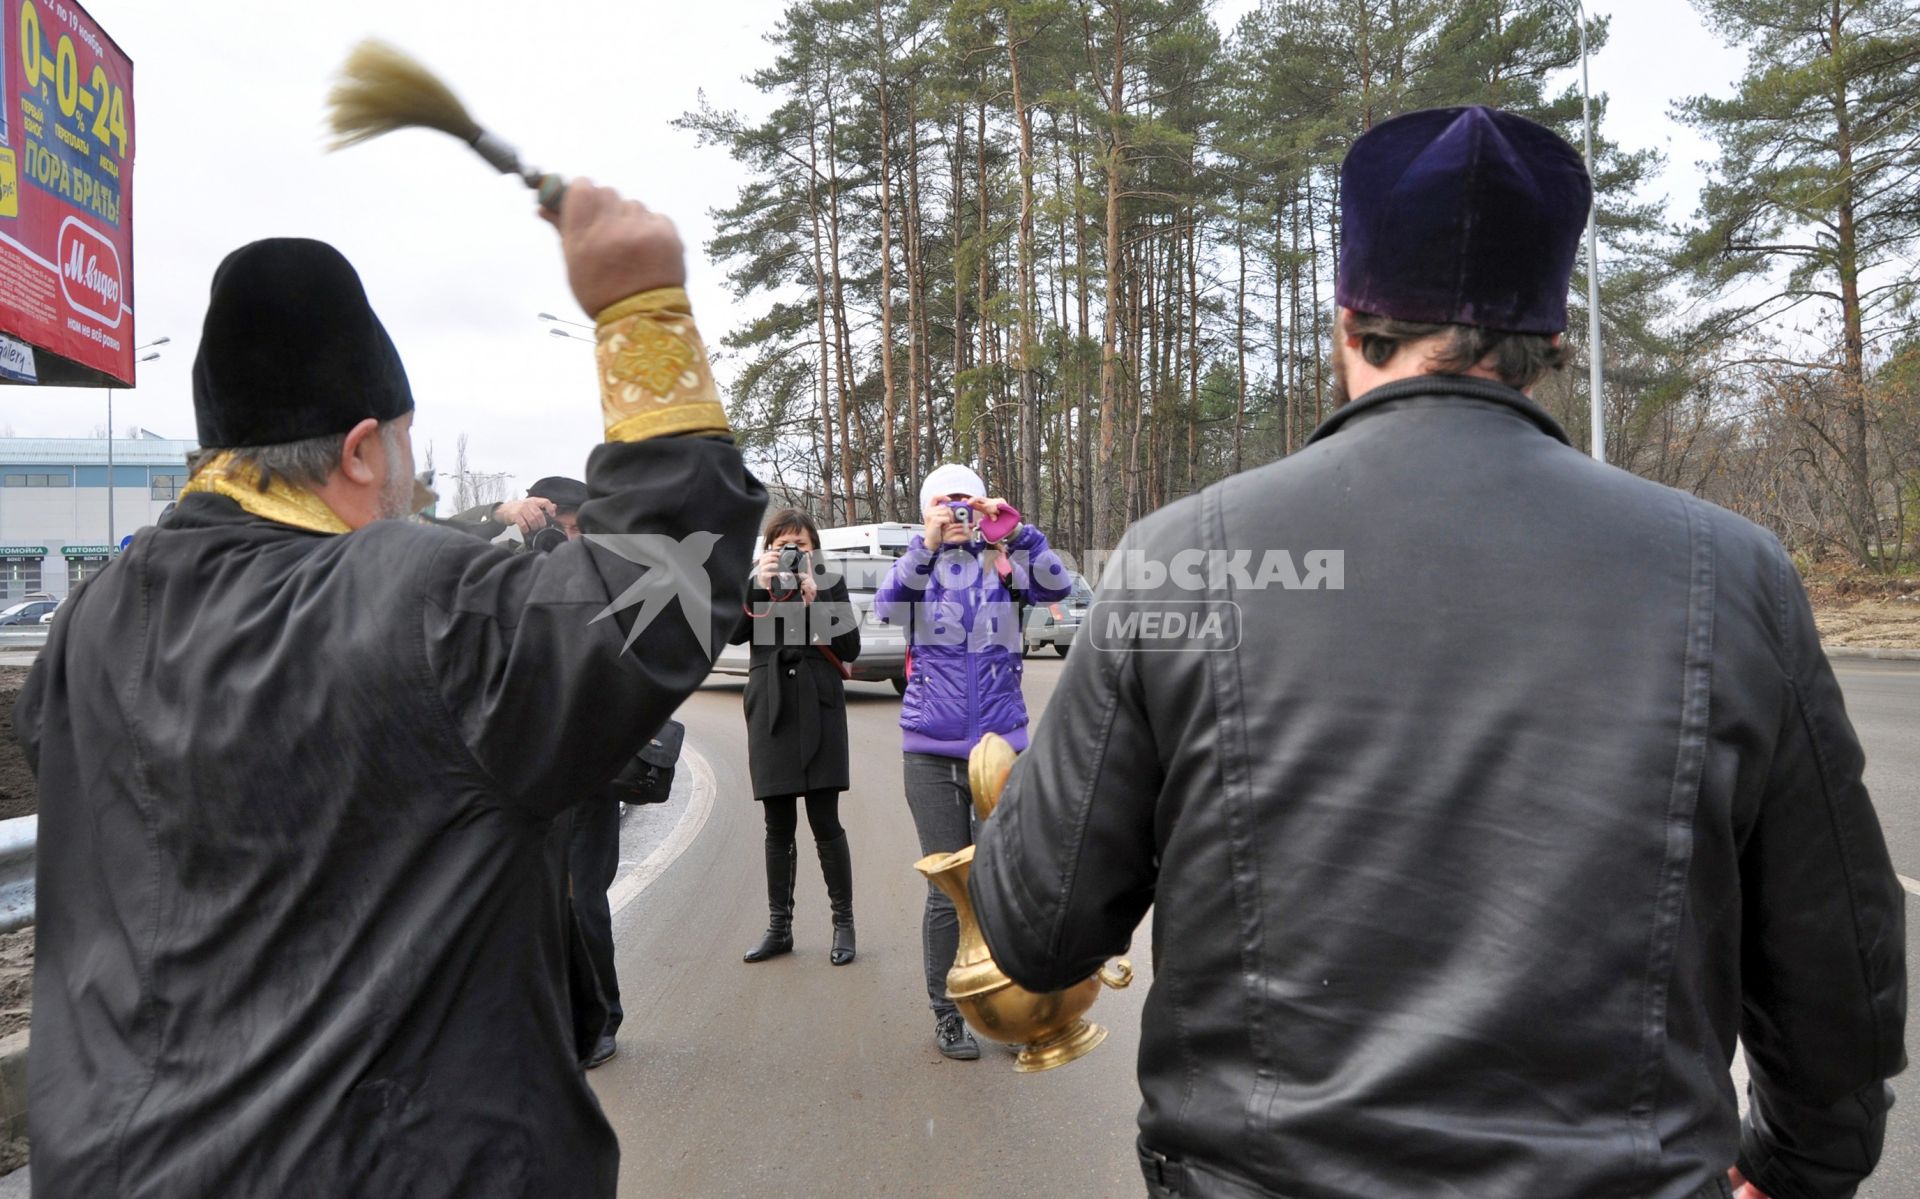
(791, 564)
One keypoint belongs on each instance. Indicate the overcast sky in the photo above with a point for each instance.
(229, 147)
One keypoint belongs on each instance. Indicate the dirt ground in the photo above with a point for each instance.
(1873, 625)
(16, 980)
(1865, 611)
(18, 795)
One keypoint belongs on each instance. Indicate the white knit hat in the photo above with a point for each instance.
(951, 479)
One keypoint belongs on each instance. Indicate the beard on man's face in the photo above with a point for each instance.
(396, 492)
(1339, 393)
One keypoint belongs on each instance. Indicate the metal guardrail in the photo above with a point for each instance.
(23, 636)
(17, 837)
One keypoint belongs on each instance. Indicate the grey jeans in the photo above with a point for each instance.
(942, 807)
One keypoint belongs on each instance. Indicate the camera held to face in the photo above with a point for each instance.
(793, 563)
(964, 516)
(550, 536)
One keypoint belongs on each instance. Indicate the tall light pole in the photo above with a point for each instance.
(111, 539)
(557, 331)
(1595, 381)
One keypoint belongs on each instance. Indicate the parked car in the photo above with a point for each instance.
(1059, 623)
(883, 648)
(28, 611)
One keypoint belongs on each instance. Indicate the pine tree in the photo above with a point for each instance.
(1812, 203)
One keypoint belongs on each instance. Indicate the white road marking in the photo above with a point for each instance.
(1913, 888)
(699, 806)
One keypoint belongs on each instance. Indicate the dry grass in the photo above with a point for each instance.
(1870, 624)
(1865, 611)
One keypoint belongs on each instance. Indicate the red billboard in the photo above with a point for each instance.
(66, 199)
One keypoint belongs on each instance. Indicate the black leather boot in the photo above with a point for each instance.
(836, 866)
(779, 936)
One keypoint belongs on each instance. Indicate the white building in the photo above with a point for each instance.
(54, 520)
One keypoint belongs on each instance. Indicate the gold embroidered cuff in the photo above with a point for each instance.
(655, 380)
(659, 299)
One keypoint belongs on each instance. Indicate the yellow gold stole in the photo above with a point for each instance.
(283, 502)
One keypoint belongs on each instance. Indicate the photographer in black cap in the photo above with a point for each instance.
(552, 503)
(548, 518)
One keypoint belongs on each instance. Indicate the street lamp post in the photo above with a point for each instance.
(111, 539)
(1595, 380)
(555, 321)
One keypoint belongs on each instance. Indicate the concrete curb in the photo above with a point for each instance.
(1862, 652)
(699, 806)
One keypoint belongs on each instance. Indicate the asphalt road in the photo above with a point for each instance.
(796, 1078)
(1883, 701)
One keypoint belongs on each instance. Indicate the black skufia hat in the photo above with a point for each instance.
(291, 349)
(564, 492)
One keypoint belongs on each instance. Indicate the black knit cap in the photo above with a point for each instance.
(564, 492)
(291, 349)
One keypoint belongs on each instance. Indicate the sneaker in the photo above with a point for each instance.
(951, 1035)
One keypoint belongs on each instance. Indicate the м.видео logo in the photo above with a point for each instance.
(90, 275)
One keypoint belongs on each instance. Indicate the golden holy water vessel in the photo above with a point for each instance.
(1049, 1027)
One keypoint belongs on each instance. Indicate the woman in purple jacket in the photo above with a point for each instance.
(957, 591)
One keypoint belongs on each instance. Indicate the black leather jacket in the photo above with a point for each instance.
(1466, 875)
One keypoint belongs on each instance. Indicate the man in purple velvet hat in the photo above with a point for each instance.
(1473, 846)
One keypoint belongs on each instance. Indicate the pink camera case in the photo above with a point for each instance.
(1001, 525)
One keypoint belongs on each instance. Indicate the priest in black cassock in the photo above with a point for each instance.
(300, 924)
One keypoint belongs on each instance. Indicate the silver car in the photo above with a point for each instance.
(883, 647)
(1057, 624)
(29, 611)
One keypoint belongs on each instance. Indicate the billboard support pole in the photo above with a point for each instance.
(111, 539)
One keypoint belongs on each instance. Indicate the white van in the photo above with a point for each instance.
(888, 539)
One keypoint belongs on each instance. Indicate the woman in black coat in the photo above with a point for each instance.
(803, 629)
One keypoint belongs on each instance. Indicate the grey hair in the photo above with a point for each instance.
(306, 463)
